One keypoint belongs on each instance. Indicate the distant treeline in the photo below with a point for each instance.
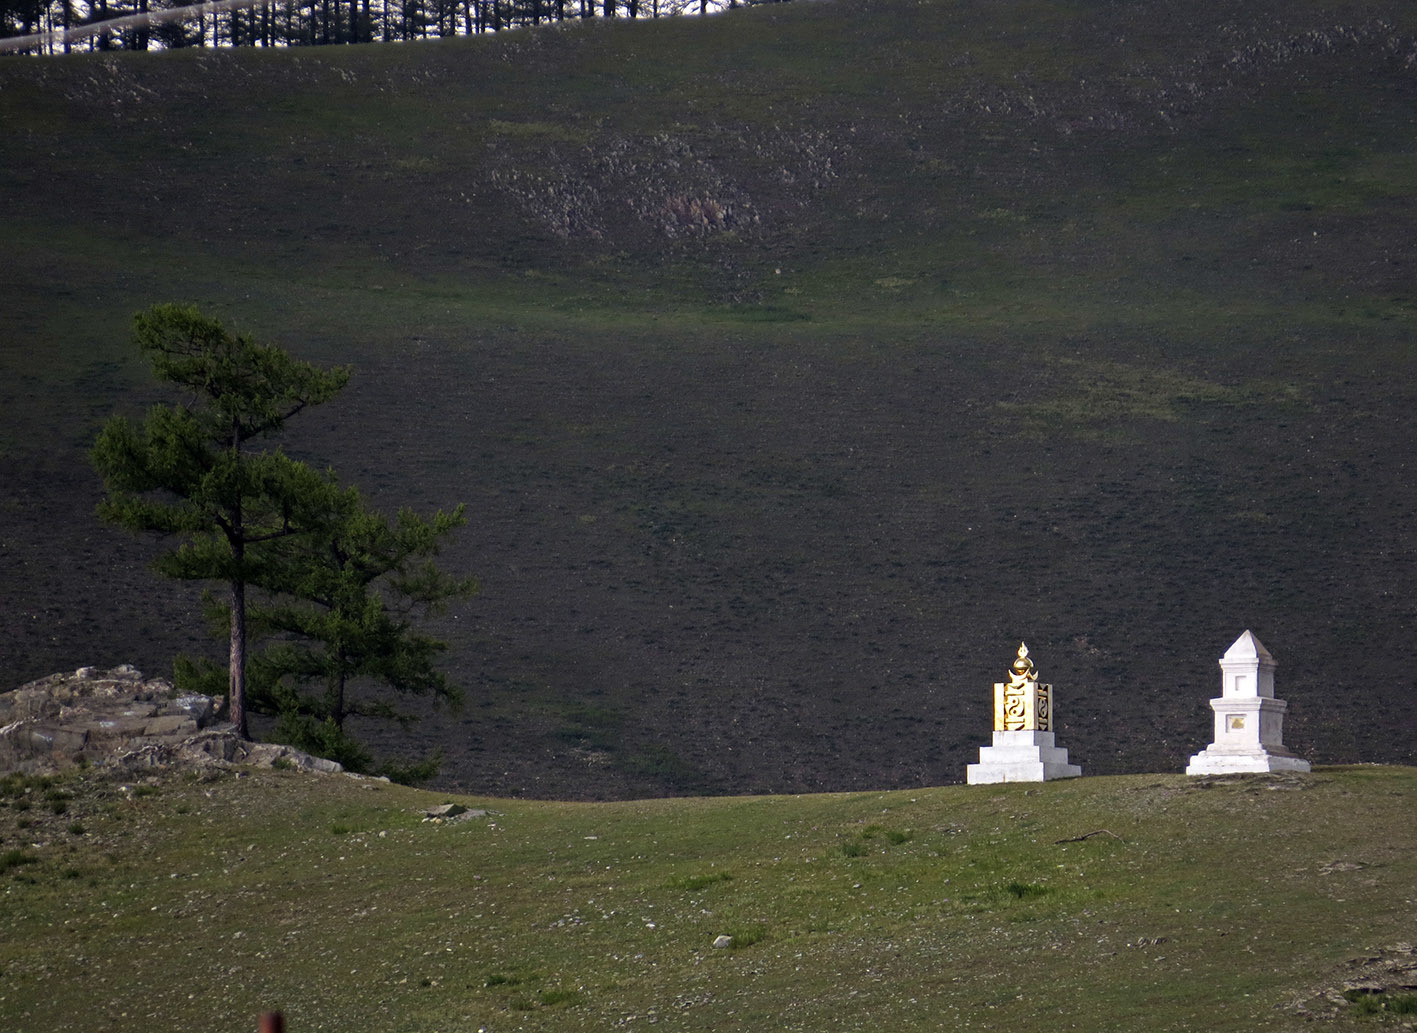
(64, 26)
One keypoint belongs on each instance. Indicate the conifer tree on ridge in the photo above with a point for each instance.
(195, 469)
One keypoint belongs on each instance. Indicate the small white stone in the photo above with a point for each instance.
(723, 941)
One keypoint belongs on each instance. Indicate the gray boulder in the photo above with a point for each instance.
(119, 719)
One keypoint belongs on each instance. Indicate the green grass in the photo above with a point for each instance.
(694, 883)
(1233, 905)
(12, 859)
(1380, 1002)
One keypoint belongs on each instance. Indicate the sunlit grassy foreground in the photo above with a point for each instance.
(1121, 903)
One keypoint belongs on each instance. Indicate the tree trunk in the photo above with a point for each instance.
(337, 689)
(142, 35)
(237, 674)
(105, 41)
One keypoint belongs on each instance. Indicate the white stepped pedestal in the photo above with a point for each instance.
(1249, 721)
(1029, 756)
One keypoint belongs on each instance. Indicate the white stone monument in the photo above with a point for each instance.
(1023, 750)
(1249, 721)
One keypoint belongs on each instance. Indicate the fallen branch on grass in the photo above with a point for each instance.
(1089, 835)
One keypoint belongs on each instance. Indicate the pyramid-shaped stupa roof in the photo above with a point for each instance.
(1247, 647)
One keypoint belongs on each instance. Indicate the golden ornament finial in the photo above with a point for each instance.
(1021, 704)
(1022, 669)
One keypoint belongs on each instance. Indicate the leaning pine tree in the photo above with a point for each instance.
(201, 469)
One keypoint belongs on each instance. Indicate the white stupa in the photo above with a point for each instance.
(1023, 749)
(1249, 721)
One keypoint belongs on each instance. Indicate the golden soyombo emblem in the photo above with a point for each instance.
(1021, 704)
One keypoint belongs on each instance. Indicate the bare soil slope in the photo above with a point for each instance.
(795, 365)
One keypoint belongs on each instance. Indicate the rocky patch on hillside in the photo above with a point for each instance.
(1383, 982)
(120, 720)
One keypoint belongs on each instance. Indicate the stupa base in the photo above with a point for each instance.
(1211, 761)
(1021, 757)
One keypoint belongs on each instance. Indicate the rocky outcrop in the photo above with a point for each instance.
(118, 718)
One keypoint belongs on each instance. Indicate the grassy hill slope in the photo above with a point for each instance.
(795, 364)
(1099, 904)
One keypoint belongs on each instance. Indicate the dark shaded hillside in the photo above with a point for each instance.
(795, 364)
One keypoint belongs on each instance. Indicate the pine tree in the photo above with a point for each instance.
(195, 469)
(339, 605)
